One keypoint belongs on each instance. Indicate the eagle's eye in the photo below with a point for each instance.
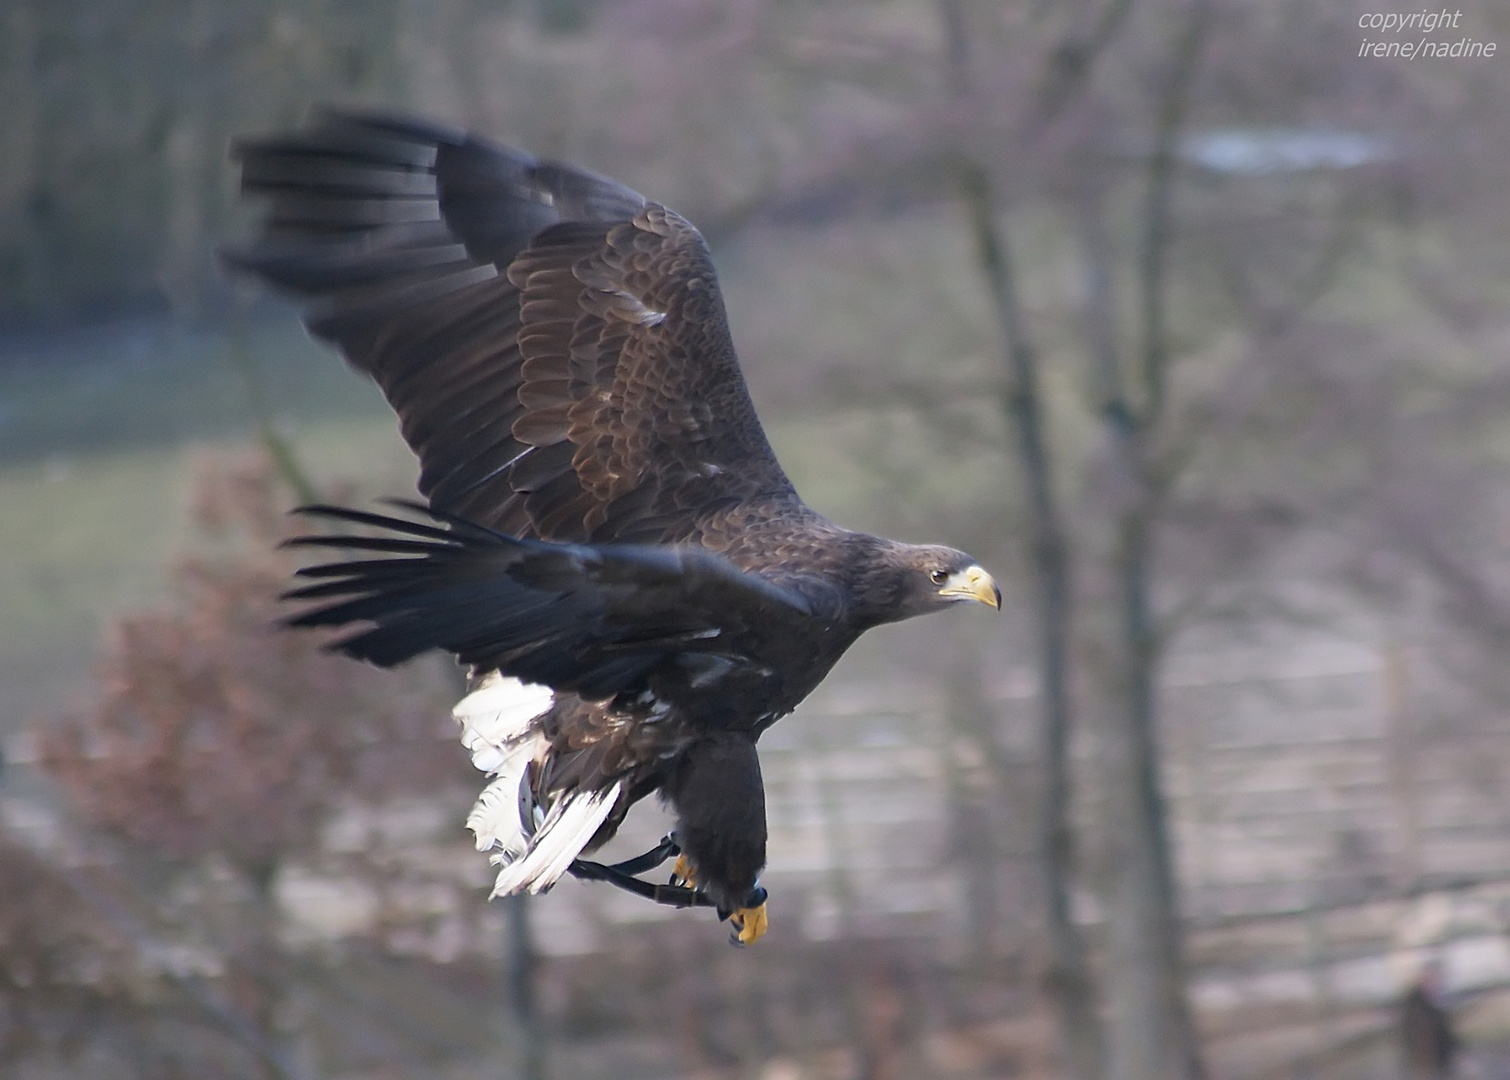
(938, 577)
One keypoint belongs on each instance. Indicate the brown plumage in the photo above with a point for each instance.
(607, 518)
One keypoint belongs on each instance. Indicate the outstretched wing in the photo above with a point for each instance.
(591, 620)
(555, 346)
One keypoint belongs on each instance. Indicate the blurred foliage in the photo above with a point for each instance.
(59, 967)
(114, 186)
(220, 751)
(218, 733)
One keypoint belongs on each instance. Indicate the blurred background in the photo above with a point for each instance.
(1187, 317)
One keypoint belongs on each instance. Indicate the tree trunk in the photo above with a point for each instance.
(1151, 1034)
(521, 975)
(1066, 979)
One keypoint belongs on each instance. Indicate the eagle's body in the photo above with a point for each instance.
(614, 551)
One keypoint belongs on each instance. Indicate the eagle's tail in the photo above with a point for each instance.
(535, 844)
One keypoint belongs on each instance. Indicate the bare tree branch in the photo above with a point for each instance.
(1071, 64)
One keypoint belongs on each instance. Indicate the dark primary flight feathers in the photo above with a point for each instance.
(554, 345)
(610, 544)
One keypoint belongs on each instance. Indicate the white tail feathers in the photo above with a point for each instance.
(535, 847)
(497, 816)
(565, 831)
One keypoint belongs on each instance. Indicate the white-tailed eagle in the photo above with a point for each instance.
(607, 540)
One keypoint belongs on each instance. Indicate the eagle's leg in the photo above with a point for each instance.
(716, 791)
(652, 858)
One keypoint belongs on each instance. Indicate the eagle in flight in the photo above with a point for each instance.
(607, 541)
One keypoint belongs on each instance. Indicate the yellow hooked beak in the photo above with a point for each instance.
(972, 583)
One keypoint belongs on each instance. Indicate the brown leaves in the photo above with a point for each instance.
(218, 731)
(56, 962)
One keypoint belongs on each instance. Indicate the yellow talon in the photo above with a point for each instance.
(682, 873)
(750, 925)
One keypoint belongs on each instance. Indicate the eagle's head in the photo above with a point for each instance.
(951, 576)
(914, 579)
